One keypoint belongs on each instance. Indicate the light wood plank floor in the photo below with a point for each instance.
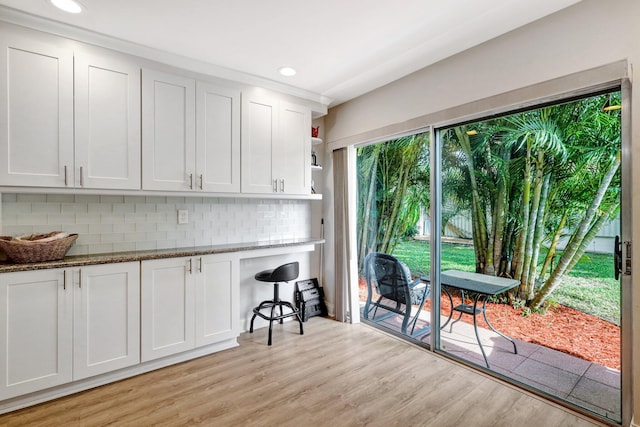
(334, 375)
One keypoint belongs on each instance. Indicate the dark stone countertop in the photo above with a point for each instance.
(114, 257)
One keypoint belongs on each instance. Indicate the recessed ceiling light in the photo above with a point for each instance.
(287, 71)
(70, 6)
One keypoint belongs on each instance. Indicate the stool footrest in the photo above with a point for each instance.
(257, 312)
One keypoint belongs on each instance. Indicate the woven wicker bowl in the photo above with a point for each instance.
(25, 251)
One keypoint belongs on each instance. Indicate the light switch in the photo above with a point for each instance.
(183, 216)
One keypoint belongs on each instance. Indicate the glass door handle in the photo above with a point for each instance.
(617, 257)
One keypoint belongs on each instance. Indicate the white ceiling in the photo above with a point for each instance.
(340, 48)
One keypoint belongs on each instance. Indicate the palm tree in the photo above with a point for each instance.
(530, 177)
(393, 186)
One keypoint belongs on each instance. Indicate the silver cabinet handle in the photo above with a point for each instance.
(200, 265)
(64, 277)
(80, 278)
(191, 181)
(282, 185)
(275, 185)
(201, 181)
(66, 180)
(190, 270)
(81, 178)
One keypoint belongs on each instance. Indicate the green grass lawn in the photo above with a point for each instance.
(590, 287)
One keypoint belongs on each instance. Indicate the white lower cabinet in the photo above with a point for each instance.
(66, 324)
(217, 299)
(167, 293)
(35, 331)
(187, 303)
(60, 325)
(106, 319)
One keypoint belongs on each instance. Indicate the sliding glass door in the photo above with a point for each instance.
(392, 235)
(529, 207)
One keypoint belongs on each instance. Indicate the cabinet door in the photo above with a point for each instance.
(35, 331)
(167, 307)
(217, 138)
(107, 113)
(292, 152)
(106, 320)
(168, 131)
(259, 124)
(217, 294)
(36, 112)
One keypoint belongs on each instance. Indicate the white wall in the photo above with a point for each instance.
(588, 35)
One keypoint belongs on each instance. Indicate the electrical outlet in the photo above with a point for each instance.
(183, 216)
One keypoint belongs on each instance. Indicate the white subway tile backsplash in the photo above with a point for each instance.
(145, 207)
(91, 238)
(88, 218)
(34, 219)
(100, 208)
(155, 200)
(15, 208)
(112, 237)
(148, 246)
(146, 226)
(126, 223)
(68, 208)
(48, 208)
(124, 208)
(100, 228)
(100, 248)
(87, 198)
(112, 218)
(124, 228)
(61, 198)
(135, 237)
(112, 200)
(32, 198)
(124, 246)
(16, 230)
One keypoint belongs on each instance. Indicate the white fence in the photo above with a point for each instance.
(460, 227)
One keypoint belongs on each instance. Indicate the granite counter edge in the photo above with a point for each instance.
(119, 257)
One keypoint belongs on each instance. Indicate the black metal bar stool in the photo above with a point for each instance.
(284, 273)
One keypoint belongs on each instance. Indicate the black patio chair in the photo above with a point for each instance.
(391, 280)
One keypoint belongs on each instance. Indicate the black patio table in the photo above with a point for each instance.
(482, 286)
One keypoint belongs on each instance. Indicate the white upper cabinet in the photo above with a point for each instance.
(217, 138)
(259, 122)
(190, 135)
(36, 111)
(276, 146)
(37, 146)
(107, 113)
(168, 131)
(292, 152)
(82, 117)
